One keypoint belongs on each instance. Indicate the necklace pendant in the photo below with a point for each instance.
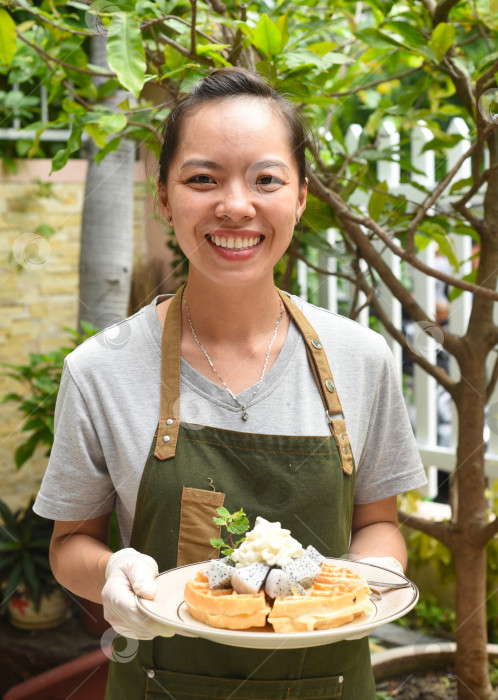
(245, 415)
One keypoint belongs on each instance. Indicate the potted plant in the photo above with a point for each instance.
(30, 592)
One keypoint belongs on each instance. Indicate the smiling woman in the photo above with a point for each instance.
(223, 395)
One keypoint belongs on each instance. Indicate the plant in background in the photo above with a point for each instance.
(41, 375)
(410, 62)
(24, 565)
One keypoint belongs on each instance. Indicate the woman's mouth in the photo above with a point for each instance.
(235, 242)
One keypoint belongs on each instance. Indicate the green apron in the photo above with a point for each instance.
(306, 483)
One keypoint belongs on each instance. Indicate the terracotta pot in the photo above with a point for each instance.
(52, 611)
(418, 657)
(81, 679)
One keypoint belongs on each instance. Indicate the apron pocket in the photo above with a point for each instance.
(184, 686)
(197, 526)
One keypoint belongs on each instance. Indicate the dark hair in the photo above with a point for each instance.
(227, 83)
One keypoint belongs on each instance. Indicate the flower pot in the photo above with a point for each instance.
(52, 610)
(84, 678)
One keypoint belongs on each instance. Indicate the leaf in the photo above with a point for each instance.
(238, 527)
(98, 137)
(223, 512)
(25, 451)
(13, 583)
(282, 24)
(111, 123)
(216, 542)
(60, 159)
(111, 145)
(377, 201)
(441, 40)
(7, 37)
(456, 292)
(125, 52)
(266, 37)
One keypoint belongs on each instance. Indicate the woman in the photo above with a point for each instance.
(249, 412)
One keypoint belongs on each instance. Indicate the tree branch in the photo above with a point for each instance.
(193, 44)
(185, 52)
(438, 373)
(488, 532)
(441, 531)
(368, 253)
(156, 20)
(492, 380)
(440, 189)
(353, 91)
(218, 6)
(481, 82)
(442, 10)
(25, 8)
(52, 59)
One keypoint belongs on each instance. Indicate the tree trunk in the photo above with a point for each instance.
(106, 256)
(471, 665)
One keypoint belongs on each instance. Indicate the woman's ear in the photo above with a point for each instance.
(163, 200)
(303, 191)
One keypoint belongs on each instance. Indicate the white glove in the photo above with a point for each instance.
(385, 562)
(128, 573)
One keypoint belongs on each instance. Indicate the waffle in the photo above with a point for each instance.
(337, 597)
(225, 608)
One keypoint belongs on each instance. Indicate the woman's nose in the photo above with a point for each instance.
(236, 202)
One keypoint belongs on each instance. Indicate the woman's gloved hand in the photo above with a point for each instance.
(385, 562)
(128, 573)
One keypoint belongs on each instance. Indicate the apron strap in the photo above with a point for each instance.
(169, 419)
(325, 383)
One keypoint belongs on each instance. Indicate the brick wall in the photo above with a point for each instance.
(38, 299)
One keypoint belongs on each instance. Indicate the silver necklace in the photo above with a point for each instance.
(243, 407)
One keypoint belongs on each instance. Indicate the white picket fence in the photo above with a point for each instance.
(330, 291)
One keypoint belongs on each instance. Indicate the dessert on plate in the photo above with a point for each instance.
(269, 577)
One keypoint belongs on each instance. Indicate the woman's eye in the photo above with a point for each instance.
(201, 179)
(269, 182)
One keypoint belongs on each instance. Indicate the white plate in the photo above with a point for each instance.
(169, 607)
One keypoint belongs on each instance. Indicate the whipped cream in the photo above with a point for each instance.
(268, 543)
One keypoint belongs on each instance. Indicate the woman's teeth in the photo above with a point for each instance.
(235, 243)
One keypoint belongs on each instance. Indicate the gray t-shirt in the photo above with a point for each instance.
(109, 400)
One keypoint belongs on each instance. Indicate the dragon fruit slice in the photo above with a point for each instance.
(279, 583)
(303, 570)
(314, 554)
(249, 579)
(219, 573)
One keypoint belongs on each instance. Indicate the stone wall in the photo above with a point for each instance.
(39, 295)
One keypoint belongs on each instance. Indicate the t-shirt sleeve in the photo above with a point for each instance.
(390, 461)
(76, 485)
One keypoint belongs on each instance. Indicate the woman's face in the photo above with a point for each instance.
(233, 191)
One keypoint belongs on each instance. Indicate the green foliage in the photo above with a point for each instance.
(40, 379)
(24, 544)
(235, 524)
(429, 617)
(342, 66)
